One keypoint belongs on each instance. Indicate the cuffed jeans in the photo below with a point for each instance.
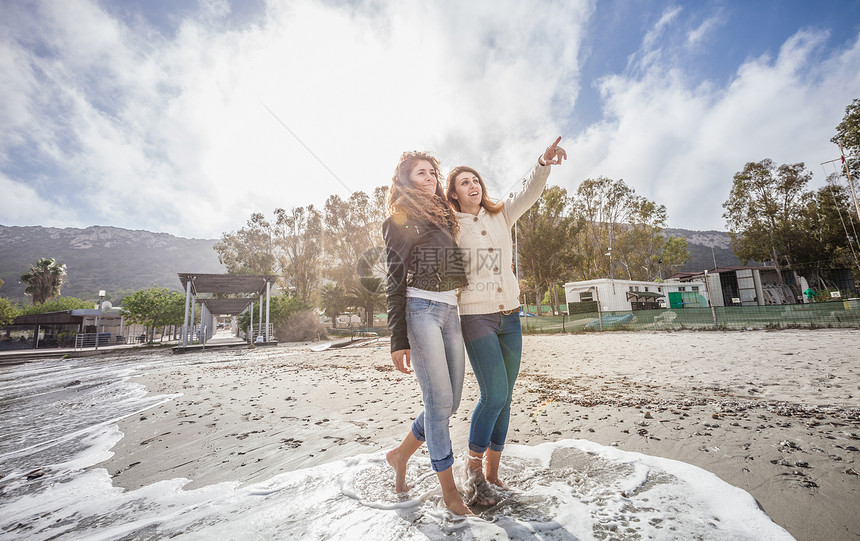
(439, 362)
(494, 343)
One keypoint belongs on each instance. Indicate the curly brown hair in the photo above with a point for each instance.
(406, 200)
(493, 207)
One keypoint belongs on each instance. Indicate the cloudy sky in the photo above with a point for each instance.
(185, 116)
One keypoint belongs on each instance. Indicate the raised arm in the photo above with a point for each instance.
(533, 184)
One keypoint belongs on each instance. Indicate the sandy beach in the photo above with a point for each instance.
(776, 414)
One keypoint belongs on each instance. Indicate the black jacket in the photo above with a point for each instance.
(420, 255)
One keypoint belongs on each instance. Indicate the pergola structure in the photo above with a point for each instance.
(236, 284)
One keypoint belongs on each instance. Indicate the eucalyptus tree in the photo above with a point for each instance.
(764, 213)
(249, 250)
(299, 250)
(832, 234)
(848, 136)
(546, 242)
(622, 233)
(353, 229)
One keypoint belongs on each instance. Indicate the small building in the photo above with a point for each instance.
(629, 295)
(57, 329)
(761, 286)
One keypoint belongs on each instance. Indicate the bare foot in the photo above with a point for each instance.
(476, 489)
(455, 505)
(499, 483)
(395, 461)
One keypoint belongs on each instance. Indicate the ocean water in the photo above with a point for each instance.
(58, 422)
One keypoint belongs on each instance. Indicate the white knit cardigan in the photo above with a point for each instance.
(486, 237)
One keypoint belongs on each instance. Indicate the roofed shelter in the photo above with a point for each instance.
(236, 284)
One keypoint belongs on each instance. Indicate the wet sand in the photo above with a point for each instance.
(774, 413)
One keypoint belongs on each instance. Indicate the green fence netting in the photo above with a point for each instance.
(820, 314)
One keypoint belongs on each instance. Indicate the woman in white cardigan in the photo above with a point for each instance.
(489, 308)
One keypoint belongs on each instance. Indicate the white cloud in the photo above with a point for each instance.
(680, 144)
(699, 34)
(172, 135)
(22, 205)
(109, 121)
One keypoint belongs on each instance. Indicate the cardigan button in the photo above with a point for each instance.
(499, 290)
(501, 307)
(475, 219)
(496, 270)
(491, 249)
(483, 232)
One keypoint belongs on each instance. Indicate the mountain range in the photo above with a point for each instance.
(119, 261)
(122, 261)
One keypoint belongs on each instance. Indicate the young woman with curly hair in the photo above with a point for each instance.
(489, 308)
(424, 271)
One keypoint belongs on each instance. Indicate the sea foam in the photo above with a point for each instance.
(52, 487)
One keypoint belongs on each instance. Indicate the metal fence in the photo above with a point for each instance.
(814, 315)
(259, 330)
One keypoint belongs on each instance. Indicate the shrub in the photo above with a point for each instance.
(301, 326)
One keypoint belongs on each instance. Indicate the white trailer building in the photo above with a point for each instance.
(626, 295)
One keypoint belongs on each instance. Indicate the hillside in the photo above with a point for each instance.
(120, 261)
(700, 244)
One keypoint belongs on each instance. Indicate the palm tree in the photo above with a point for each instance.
(44, 280)
(334, 301)
(368, 293)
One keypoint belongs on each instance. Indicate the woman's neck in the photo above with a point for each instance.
(473, 210)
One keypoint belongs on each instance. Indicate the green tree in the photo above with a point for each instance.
(764, 214)
(250, 250)
(642, 249)
(605, 205)
(675, 253)
(544, 242)
(848, 135)
(368, 294)
(831, 234)
(352, 228)
(60, 304)
(8, 312)
(299, 250)
(44, 280)
(623, 233)
(334, 301)
(154, 307)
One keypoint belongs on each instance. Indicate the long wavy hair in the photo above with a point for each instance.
(493, 207)
(405, 200)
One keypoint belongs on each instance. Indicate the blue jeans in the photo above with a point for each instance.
(495, 345)
(439, 362)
